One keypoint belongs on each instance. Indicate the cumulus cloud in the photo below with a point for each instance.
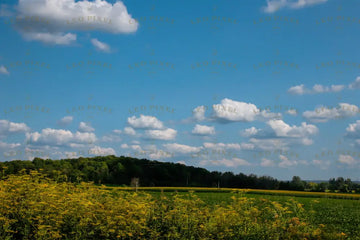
(282, 129)
(267, 163)
(111, 138)
(353, 130)
(234, 162)
(51, 38)
(324, 114)
(143, 121)
(355, 84)
(85, 127)
(129, 131)
(233, 111)
(124, 146)
(285, 162)
(280, 135)
(229, 110)
(117, 131)
(321, 164)
(199, 113)
(165, 134)
(7, 127)
(297, 90)
(275, 5)
(99, 151)
(269, 143)
(136, 147)
(348, 160)
(65, 120)
(101, 46)
(203, 130)
(59, 17)
(235, 146)
(292, 112)
(159, 154)
(250, 132)
(3, 70)
(4, 145)
(180, 148)
(60, 137)
(317, 88)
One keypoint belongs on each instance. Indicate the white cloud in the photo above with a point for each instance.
(297, 90)
(4, 145)
(269, 143)
(51, 38)
(117, 131)
(129, 131)
(235, 146)
(124, 146)
(230, 110)
(355, 84)
(348, 160)
(282, 129)
(180, 148)
(7, 127)
(166, 134)
(136, 147)
(234, 162)
(145, 122)
(250, 132)
(353, 130)
(60, 137)
(267, 163)
(101, 46)
(323, 114)
(99, 151)
(321, 163)
(111, 138)
(285, 162)
(275, 5)
(181, 162)
(317, 88)
(199, 113)
(203, 130)
(160, 154)
(65, 120)
(281, 135)
(292, 112)
(3, 70)
(85, 127)
(58, 17)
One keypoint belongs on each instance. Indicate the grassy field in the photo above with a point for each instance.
(32, 206)
(338, 212)
(339, 215)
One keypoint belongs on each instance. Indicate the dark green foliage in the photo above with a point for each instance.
(120, 170)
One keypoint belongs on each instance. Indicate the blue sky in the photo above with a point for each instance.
(264, 87)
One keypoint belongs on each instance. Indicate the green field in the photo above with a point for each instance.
(338, 215)
(33, 206)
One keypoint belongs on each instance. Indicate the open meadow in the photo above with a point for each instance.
(33, 206)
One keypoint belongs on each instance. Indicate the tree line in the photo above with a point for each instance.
(112, 170)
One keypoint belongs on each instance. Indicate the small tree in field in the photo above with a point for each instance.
(135, 183)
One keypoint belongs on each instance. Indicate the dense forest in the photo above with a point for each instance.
(122, 170)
